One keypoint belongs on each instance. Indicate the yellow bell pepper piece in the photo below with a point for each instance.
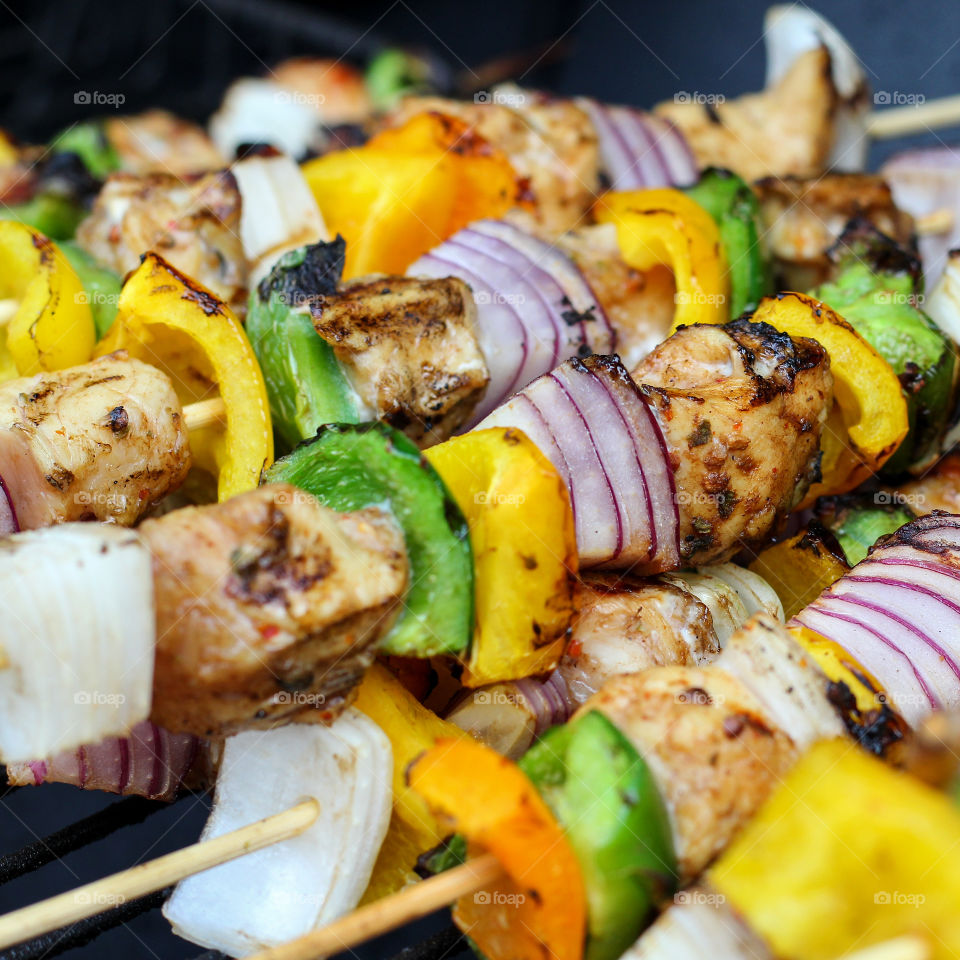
(412, 729)
(869, 419)
(50, 324)
(538, 910)
(847, 853)
(408, 189)
(667, 227)
(524, 550)
(171, 322)
(799, 569)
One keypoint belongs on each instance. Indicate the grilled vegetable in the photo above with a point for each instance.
(736, 211)
(351, 467)
(540, 908)
(273, 895)
(76, 655)
(875, 291)
(48, 322)
(524, 556)
(607, 802)
(668, 227)
(180, 327)
(88, 140)
(858, 522)
(100, 284)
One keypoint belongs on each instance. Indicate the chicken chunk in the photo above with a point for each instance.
(640, 304)
(409, 348)
(741, 407)
(268, 606)
(626, 625)
(194, 223)
(786, 129)
(551, 143)
(709, 746)
(102, 441)
(159, 142)
(803, 218)
(938, 489)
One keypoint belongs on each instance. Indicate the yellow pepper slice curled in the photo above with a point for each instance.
(168, 320)
(50, 324)
(665, 226)
(539, 909)
(412, 729)
(524, 550)
(869, 419)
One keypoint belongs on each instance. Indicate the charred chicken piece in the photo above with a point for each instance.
(551, 143)
(708, 743)
(160, 142)
(787, 129)
(193, 222)
(625, 625)
(409, 349)
(102, 441)
(269, 605)
(803, 218)
(741, 407)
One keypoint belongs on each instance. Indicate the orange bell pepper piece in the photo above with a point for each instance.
(539, 909)
(666, 227)
(168, 320)
(869, 419)
(408, 189)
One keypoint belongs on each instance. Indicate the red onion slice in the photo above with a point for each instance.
(150, 762)
(898, 613)
(639, 149)
(8, 514)
(534, 307)
(593, 423)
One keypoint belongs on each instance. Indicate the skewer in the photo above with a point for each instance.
(392, 912)
(203, 413)
(900, 121)
(100, 895)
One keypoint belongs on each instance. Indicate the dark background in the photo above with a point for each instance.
(181, 54)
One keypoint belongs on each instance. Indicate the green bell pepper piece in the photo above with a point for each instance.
(53, 214)
(736, 211)
(859, 520)
(101, 284)
(606, 799)
(89, 142)
(352, 466)
(305, 383)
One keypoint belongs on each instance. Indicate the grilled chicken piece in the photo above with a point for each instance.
(336, 90)
(551, 143)
(159, 142)
(409, 349)
(194, 223)
(625, 625)
(268, 606)
(709, 746)
(803, 218)
(741, 407)
(102, 441)
(938, 489)
(640, 304)
(786, 129)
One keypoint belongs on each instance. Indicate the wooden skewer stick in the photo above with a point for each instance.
(204, 413)
(102, 895)
(899, 121)
(8, 309)
(392, 912)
